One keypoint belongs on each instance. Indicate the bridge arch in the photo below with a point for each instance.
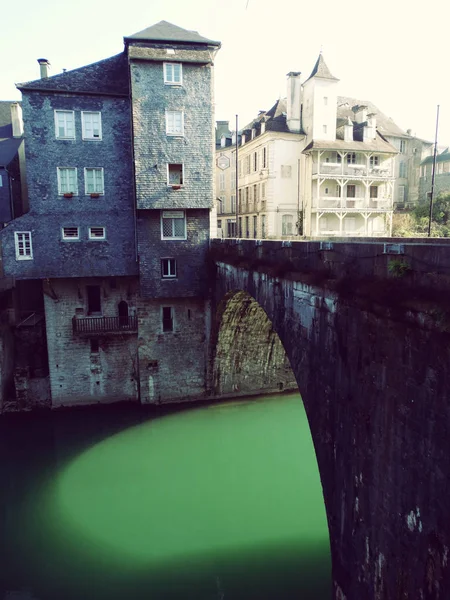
(375, 383)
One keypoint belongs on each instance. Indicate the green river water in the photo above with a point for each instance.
(208, 503)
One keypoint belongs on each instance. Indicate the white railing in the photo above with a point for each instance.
(334, 202)
(355, 170)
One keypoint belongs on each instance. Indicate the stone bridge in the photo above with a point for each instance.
(366, 329)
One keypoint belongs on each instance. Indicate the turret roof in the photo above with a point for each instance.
(321, 70)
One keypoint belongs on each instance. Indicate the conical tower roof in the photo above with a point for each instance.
(168, 32)
(321, 70)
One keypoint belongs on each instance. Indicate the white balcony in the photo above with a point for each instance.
(354, 171)
(335, 203)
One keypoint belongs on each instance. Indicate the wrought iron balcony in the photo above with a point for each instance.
(96, 325)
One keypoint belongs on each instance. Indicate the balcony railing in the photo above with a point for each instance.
(352, 170)
(91, 325)
(335, 202)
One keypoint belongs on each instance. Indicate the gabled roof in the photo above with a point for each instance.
(168, 32)
(105, 77)
(378, 145)
(8, 144)
(321, 70)
(443, 157)
(385, 125)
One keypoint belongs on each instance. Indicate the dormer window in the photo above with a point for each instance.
(173, 73)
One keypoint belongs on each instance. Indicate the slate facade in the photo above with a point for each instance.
(118, 226)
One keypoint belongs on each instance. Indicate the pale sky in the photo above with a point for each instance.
(392, 52)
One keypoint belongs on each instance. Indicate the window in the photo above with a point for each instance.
(247, 196)
(64, 124)
(221, 205)
(255, 226)
(167, 318)
(247, 165)
(402, 169)
(24, 249)
(67, 180)
(70, 233)
(233, 204)
(247, 227)
(95, 346)
(93, 181)
(402, 146)
(401, 193)
(264, 158)
(338, 191)
(374, 191)
(97, 233)
(233, 178)
(326, 191)
(231, 228)
(338, 158)
(255, 161)
(91, 125)
(374, 161)
(255, 193)
(173, 225)
(174, 122)
(263, 227)
(263, 191)
(221, 181)
(351, 158)
(324, 128)
(168, 268)
(351, 191)
(173, 73)
(175, 174)
(94, 300)
(240, 227)
(287, 225)
(1, 181)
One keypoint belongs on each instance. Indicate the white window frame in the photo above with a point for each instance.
(172, 274)
(70, 238)
(165, 214)
(171, 80)
(95, 237)
(83, 125)
(287, 222)
(222, 182)
(168, 174)
(98, 169)
(168, 129)
(20, 245)
(58, 171)
(64, 137)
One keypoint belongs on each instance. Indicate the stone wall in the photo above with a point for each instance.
(77, 373)
(370, 348)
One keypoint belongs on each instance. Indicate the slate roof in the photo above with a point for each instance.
(378, 145)
(321, 70)
(105, 77)
(168, 32)
(385, 125)
(8, 145)
(443, 157)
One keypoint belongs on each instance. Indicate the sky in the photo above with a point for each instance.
(392, 52)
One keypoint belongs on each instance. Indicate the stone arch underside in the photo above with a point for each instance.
(249, 356)
(375, 383)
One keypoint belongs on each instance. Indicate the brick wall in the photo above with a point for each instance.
(190, 255)
(77, 375)
(172, 365)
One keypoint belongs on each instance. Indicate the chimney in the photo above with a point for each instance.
(348, 131)
(294, 101)
(16, 120)
(44, 65)
(370, 130)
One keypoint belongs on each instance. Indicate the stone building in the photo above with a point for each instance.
(120, 170)
(318, 164)
(442, 175)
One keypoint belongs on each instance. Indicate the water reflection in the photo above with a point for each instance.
(214, 502)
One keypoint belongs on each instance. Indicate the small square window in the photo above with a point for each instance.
(97, 233)
(24, 248)
(70, 233)
(174, 122)
(173, 73)
(175, 174)
(91, 125)
(168, 268)
(64, 124)
(173, 225)
(167, 318)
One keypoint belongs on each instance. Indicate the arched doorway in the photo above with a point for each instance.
(123, 313)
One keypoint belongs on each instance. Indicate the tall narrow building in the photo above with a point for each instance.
(120, 170)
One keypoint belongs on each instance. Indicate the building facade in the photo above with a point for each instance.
(318, 164)
(119, 163)
(441, 177)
